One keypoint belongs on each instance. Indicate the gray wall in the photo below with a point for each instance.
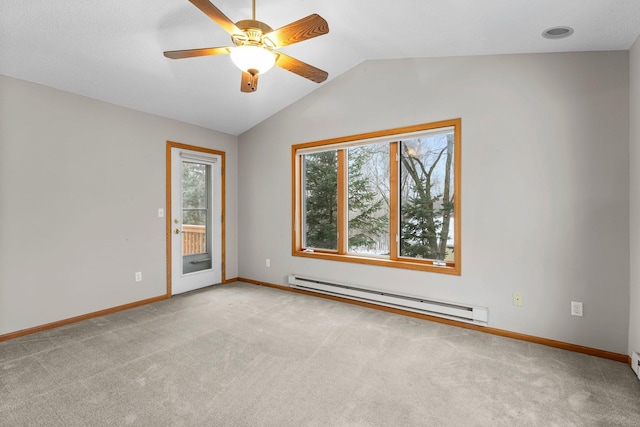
(545, 184)
(634, 232)
(80, 183)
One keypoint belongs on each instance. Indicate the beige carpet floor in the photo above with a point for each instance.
(244, 355)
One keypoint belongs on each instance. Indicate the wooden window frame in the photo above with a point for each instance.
(390, 136)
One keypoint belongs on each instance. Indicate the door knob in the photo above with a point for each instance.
(177, 231)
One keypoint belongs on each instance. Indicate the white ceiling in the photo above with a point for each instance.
(111, 50)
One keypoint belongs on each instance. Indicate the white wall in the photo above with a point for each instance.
(545, 181)
(80, 185)
(634, 232)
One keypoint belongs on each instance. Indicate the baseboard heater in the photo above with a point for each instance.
(447, 310)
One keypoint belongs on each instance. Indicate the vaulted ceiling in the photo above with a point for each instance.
(113, 50)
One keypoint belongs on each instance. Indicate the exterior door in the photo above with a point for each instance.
(196, 220)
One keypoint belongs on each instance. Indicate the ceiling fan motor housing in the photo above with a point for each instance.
(253, 34)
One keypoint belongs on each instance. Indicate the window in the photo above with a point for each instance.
(320, 200)
(196, 216)
(388, 198)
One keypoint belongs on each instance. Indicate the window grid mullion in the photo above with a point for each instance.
(394, 209)
(342, 202)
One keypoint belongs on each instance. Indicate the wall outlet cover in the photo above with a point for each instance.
(576, 308)
(517, 299)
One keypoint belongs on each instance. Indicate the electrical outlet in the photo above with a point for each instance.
(576, 308)
(267, 262)
(139, 276)
(517, 299)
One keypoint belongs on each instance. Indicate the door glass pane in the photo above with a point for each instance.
(320, 200)
(195, 209)
(368, 199)
(426, 197)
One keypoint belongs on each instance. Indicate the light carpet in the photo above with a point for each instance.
(245, 355)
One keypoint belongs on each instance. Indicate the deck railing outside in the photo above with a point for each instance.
(194, 239)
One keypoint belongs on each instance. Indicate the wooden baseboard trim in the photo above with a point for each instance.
(494, 331)
(227, 281)
(501, 332)
(59, 323)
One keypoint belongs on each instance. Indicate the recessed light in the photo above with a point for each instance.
(557, 32)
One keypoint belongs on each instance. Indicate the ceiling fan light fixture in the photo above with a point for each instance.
(253, 59)
(256, 43)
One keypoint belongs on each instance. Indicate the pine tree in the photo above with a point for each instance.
(321, 200)
(366, 218)
(194, 193)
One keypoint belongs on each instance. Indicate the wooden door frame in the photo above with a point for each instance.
(168, 230)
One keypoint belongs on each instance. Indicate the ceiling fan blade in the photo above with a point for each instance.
(214, 13)
(249, 82)
(190, 53)
(304, 29)
(300, 68)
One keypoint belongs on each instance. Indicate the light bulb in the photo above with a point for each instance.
(253, 59)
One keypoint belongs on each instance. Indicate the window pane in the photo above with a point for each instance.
(368, 198)
(320, 192)
(426, 197)
(194, 185)
(195, 208)
(194, 216)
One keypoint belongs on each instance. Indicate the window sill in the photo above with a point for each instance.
(418, 265)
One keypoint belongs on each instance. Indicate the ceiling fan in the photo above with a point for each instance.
(255, 44)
